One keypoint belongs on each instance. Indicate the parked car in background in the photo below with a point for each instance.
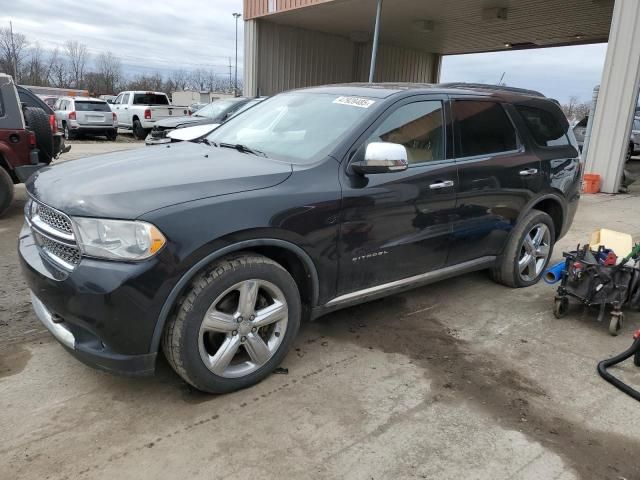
(26, 140)
(47, 151)
(84, 115)
(311, 201)
(140, 111)
(49, 100)
(108, 98)
(580, 131)
(212, 115)
(194, 107)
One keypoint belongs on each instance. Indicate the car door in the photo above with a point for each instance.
(124, 114)
(396, 225)
(498, 177)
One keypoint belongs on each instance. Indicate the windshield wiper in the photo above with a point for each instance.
(206, 141)
(243, 148)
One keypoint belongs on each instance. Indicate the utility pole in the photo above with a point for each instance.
(230, 84)
(235, 85)
(14, 60)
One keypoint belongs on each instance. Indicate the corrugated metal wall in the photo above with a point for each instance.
(290, 57)
(396, 64)
(280, 57)
(259, 8)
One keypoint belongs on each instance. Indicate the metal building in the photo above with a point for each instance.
(295, 43)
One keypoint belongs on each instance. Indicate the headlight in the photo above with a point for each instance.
(118, 239)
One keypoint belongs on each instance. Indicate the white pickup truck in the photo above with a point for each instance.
(139, 111)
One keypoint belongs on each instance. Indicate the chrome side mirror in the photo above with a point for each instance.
(382, 157)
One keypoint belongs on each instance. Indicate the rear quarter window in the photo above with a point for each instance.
(545, 127)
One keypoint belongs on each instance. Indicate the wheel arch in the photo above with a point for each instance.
(293, 258)
(552, 205)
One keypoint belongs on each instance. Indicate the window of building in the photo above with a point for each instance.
(546, 129)
(483, 128)
(419, 127)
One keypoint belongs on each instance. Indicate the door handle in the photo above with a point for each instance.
(439, 185)
(528, 172)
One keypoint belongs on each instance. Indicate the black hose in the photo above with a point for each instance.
(604, 364)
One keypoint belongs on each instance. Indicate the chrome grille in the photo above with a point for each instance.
(54, 219)
(53, 234)
(69, 254)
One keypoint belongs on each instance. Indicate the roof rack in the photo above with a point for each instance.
(498, 88)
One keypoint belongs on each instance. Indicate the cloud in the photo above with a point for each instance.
(146, 36)
(558, 72)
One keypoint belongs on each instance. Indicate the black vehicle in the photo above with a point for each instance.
(311, 201)
(215, 112)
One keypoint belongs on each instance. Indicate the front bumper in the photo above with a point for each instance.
(93, 354)
(104, 313)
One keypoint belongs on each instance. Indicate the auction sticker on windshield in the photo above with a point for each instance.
(355, 101)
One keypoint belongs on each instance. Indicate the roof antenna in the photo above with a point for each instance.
(501, 78)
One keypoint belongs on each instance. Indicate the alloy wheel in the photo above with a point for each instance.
(534, 252)
(243, 328)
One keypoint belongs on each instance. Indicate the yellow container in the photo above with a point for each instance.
(620, 243)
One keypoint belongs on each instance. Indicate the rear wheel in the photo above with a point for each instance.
(527, 252)
(6, 190)
(38, 121)
(235, 325)
(68, 134)
(139, 132)
(112, 136)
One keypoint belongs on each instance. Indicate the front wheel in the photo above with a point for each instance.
(527, 252)
(6, 190)
(235, 325)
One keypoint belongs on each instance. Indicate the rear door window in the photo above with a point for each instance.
(92, 107)
(545, 128)
(483, 128)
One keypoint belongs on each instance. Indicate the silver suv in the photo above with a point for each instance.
(84, 115)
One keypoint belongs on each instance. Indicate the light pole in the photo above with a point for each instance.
(235, 85)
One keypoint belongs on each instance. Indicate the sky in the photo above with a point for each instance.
(147, 36)
(559, 72)
(152, 37)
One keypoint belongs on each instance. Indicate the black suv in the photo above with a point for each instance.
(311, 201)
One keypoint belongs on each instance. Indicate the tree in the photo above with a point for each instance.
(78, 58)
(35, 67)
(57, 72)
(109, 71)
(13, 48)
(180, 79)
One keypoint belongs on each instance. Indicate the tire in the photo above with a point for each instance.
(6, 190)
(139, 132)
(196, 353)
(68, 133)
(616, 323)
(506, 270)
(560, 307)
(112, 136)
(38, 121)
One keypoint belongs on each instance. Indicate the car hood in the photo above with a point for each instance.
(128, 184)
(178, 122)
(191, 133)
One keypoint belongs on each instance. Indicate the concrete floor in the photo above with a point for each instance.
(461, 379)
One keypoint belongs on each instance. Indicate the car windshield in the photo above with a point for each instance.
(247, 106)
(216, 108)
(92, 107)
(299, 127)
(150, 99)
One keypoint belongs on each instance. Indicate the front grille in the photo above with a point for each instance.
(54, 219)
(53, 234)
(69, 254)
